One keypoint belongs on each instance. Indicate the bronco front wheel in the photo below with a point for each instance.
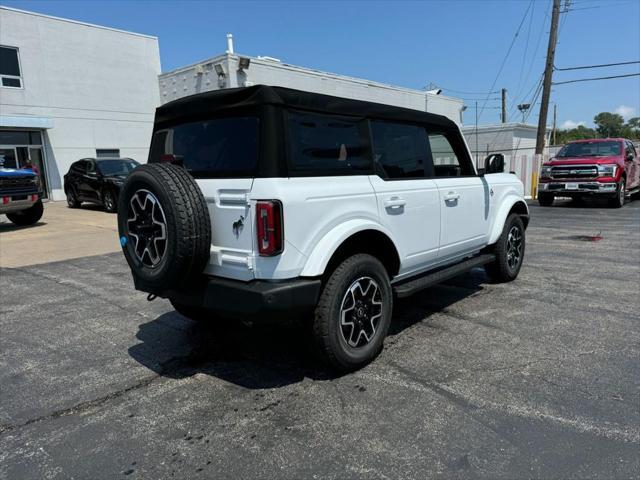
(353, 314)
(509, 251)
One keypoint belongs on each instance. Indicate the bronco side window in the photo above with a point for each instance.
(328, 144)
(400, 150)
(447, 161)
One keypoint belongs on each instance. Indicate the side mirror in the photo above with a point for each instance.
(494, 163)
(629, 157)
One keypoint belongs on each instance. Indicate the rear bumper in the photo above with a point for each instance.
(255, 301)
(16, 203)
(577, 188)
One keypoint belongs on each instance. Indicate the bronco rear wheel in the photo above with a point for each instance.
(164, 226)
(353, 314)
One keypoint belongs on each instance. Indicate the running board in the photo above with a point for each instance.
(430, 279)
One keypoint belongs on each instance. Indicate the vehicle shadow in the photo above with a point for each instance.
(8, 226)
(261, 357)
(584, 203)
(93, 207)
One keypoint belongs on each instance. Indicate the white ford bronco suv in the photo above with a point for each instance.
(264, 203)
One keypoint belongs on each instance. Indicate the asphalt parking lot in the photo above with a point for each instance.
(539, 378)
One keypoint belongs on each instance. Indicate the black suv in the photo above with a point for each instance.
(97, 181)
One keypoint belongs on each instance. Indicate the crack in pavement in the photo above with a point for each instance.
(83, 406)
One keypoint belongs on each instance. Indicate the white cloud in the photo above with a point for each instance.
(569, 124)
(625, 111)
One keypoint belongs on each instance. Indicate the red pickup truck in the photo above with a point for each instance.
(606, 167)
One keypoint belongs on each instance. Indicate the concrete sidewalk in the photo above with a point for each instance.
(63, 233)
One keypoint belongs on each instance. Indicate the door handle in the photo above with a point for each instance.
(451, 196)
(395, 202)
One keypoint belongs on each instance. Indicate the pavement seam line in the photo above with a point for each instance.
(472, 402)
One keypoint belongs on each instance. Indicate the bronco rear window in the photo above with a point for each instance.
(210, 148)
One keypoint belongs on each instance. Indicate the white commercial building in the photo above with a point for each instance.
(230, 70)
(71, 90)
(516, 141)
(506, 138)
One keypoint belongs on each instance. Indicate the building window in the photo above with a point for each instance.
(108, 153)
(10, 68)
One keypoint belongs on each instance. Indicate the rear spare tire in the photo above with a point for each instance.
(164, 226)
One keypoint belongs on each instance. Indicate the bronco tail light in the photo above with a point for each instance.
(270, 228)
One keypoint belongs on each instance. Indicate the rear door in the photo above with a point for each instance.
(408, 201)
(222, 155)
(81, 179)
(463, 197)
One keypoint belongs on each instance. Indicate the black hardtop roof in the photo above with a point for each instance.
(230, 99)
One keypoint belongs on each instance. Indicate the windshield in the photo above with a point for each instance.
(590, 149)
(116, 167)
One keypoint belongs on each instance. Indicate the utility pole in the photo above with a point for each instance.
(554, 122)
(504, 105)
(477, 134)
(548, 75)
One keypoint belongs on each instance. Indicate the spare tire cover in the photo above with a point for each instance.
(164, 226)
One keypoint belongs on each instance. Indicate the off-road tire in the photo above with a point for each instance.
(188, 227)
(545, 199)
(110, 200)
(29, 216)
(331, 346)
(499, 270)
(72, 198)
(620, 197)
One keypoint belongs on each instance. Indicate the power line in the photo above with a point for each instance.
(596, 66)
(477, 98)
(504, 60)
(610, 4)
(515, 102)
(597, 78)
(469, 93)
(526, 49)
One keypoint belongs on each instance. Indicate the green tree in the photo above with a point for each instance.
(579, 133)
(609, 124)
(632, 128)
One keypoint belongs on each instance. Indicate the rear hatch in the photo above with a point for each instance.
(222, 155)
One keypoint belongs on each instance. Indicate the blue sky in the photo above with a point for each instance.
(457, 45)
